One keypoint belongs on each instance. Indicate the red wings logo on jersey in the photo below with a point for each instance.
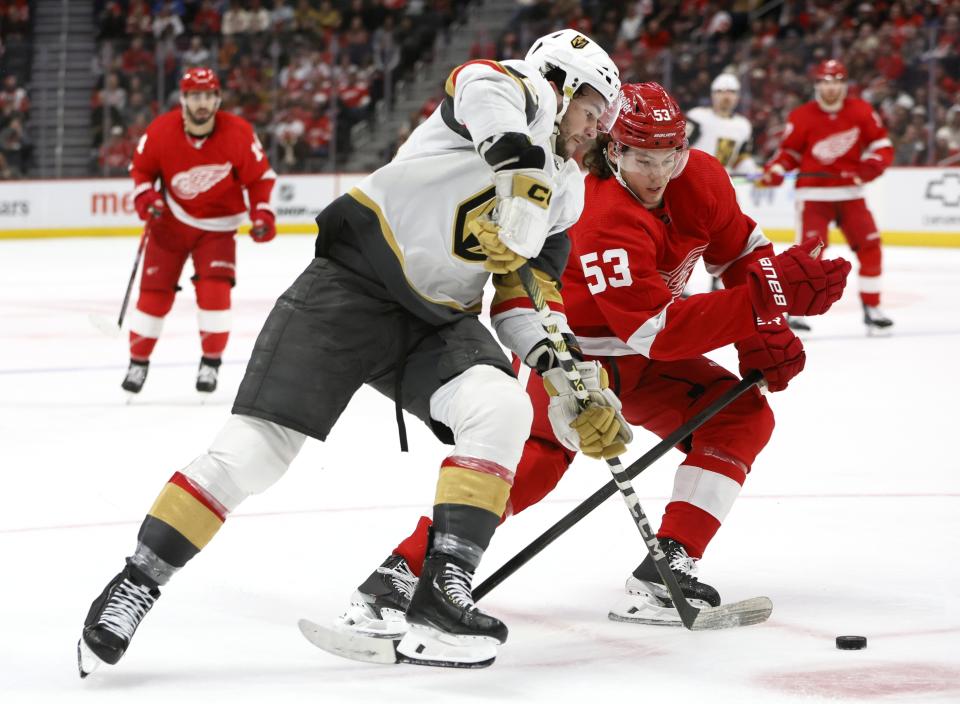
(189, 184)
(677, 279)
(831, 148)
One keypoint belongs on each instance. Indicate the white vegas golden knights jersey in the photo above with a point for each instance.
(723, 137)
(438, 182)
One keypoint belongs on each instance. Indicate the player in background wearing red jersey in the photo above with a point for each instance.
(844, 142)
(204, 160)
(653, 208)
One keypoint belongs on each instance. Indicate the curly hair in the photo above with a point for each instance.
(595, 158)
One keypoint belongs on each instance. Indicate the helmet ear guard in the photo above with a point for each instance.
(571, 60)
(645, 117)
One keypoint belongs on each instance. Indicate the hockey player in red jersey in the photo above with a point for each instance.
(203, 160)
(653, 209)
(842, 143)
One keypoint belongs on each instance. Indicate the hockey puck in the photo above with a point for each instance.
(851, 642)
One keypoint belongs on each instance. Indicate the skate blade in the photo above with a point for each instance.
(423, 645)
(874, 331)
(87, 661)
(644, 609)
(741, 613)
(377, 650)
(353, 646)
(358, 618)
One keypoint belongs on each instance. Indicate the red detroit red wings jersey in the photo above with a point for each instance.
(833, 143)
(203, 180)
(628, 266)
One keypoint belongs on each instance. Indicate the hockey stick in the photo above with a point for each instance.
(753, 178)
(742, 613)
(610, 488)
(100, 321)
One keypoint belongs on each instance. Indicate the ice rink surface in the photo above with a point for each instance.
(850, 521)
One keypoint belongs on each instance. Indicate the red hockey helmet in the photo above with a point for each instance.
(199, 78)
(646, 117)
(831, 69)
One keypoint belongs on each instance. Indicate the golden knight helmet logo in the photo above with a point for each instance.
(579, 41)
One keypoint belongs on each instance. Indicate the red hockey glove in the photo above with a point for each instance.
(796, 282)
(774, 351)
(869, 169)
(771, 178)
(149, 204)
(264, 226)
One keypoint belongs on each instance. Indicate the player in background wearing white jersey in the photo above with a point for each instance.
(720, 131)
(392, 298)
(838, 143)
(203, 161)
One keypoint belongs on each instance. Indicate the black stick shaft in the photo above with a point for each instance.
(610, 488)
(133, 275)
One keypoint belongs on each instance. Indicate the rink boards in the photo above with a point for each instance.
(912, 206)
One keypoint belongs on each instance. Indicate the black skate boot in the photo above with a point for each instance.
(112, 620)
(446, 627)
(876, 320)
(647, 599)
(798, 323)
(378, 605)
(136, 375)
(207, 375)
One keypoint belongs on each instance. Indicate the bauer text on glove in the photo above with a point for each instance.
(796, 282)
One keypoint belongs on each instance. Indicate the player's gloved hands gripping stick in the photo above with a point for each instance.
(599, 430)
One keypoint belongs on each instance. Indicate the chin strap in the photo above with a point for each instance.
(566, 95)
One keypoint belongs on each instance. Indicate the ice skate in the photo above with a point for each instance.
(112, 620)
(207, 375)
(136, 376)
(445, 627)
(647, 599)
(876, 321)
(378, 605)
(798, 323)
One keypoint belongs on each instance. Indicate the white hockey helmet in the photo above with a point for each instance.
(580, 59)
(725, 81)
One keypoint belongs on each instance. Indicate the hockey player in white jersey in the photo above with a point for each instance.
(391, 300)
(720, 131)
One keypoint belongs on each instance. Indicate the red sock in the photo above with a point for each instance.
(213, 299)
(146, 322)
(413, 549)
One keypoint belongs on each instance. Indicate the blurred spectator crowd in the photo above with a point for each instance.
(303, 72)
(903, 57)
(16, 18)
